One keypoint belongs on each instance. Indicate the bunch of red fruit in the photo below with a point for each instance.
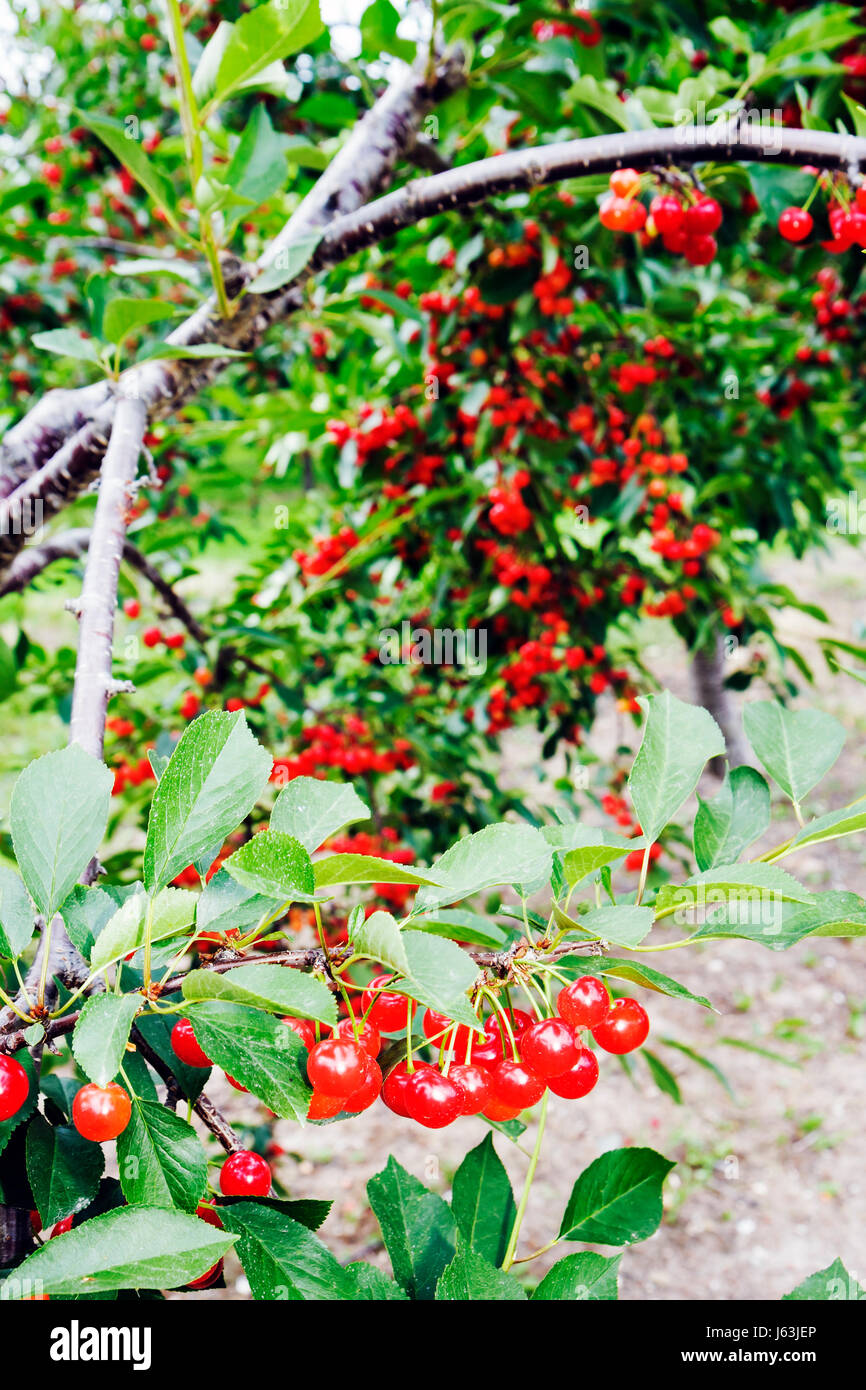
(685, 229)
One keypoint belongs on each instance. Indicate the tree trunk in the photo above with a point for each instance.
(16, 1236)
(708, 676)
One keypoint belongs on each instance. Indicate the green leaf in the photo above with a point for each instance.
(638, 974)
(266, 35)
(313, 810)
(213, 780)
(370, 1283)
(122, 316)
(58, 815)
(833, 1283)
(624, 926)
(378, 936)
(287, 263)
(274, 865)
(257, 1050)
(272, 987)
(678, 740)
(471, 1277)
(365, 868)
(160, 1159)
(797, 747)
(172, 912)
(131, 155)
(736, 816)
(258, 167)
(281, 1258)
(848, 821)
(460, 925)
(16, 915)
(171, 352)
(102, 1032)
(225, 903)
(62, 1168)
(417, 1228)
(379, 32)
(66, 342)
(585, 849)
(745, 885)
(131, 1248)
(778, 925)
(617, 1200)
(483, 1203)
(85, 912)
(498, 854)
(440, 974)
(585, 1275)
(662, 1076)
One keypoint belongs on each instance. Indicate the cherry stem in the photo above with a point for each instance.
(527, 1187)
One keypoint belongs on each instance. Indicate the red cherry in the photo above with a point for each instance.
(474, 1082)
(795, 224)
(497, 1110)
(437, 1027)
(210, 1276)
(394, 1088)
(245, 1174)
(579, 1079)
(337, 1067)
(514, 1084)
(703, 218)
(667, 213)
(324, 1107)
(151, 637)
(208, 1214)
(185, 1047)
(675, 241)
(584, 1002)
(700, 250)
(625, 1028)
(14, 1086)
(625, 183)
(132, 608)
(368, 1035)
(433, 1100)
(304, 1029)
(367, 1092)
(237, 1085)
(549, 1047)
(61, 1227)
(622, 214)
(387, 1012)
(860, 197)
(101, 1112)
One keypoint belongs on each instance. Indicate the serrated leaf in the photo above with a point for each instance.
(172, 912)
(498, 854)
(224, 904)
(66, 342)
(366, 868)
(272, 987)
(63, 1169)
(743, 885)
(624, 925)
(471, 1277)
(797, 747)
(123, 315)
(85, 912)
(274, 865)
(130, 153)
(417, 1228)
(677, 742)
(848, 821)
(585, 1275)
(483, 1202)
(283, 1259)
(833, 1284)
(57, 816)
(371, 1284)
(160, 1159)
(312, 810)
(257, 1050)
(258, 168)
(638, 974)
(102, 1032)
(378, 936)
(264, 36)
(736, 816)
(16, 915)
(779, 925)
(214, 778)
(131, 1248)
(440, 975)
(617, 1200)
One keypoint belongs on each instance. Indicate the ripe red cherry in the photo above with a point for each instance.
(185, 1047)
(437, 1027)
(584, 1002)
(795, 224)
(549, 1047)
(387, 1012)
(101, 1112)
(625, 183)
(324, 1107)
(514, 1084)
(245, 1174)
(474, 1082)
(703, 218)
(667, 213)
(367, 1092)
(208, 1214)
(497, 1110)
(237, 1085)
(624, 1029)
(368, 1035)
(14, 1087)
(700, 250)
(304, 1029)
(337, 1067)
(579, 1079)
(210, 1276)
(61, 1227)
(394, 1087)
(433, 1100)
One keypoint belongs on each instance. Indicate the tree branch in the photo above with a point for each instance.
(203, 1107)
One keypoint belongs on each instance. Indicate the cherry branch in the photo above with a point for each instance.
(203, 1106)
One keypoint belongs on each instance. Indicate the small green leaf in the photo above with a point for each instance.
(85, 912)
(470, 1277)
(440, 975)
(736, 816)
(274, 865)
(257, 1050)
(832, 1284)
(271, 987)
(638, 974)
(378, 936)
(16, 915)
(65, 342)
(283, 1259)
(130, 153)
(417, 1228)
(102, 1032)
(160, 1159)
(617, 1200)
(498, 854)
(172, 912)
(264, 36)
(123, 315)
(585, 1275)
(678, 740)
(62, 1168)
(313, 810)
(483, 1203)
(365, 868)
(797, 747)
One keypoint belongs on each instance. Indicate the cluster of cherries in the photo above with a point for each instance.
(686, 229)
(504, 1072)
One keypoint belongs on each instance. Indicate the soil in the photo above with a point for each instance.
(769, 1184)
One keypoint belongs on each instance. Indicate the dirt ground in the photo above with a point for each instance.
(770, 1183)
